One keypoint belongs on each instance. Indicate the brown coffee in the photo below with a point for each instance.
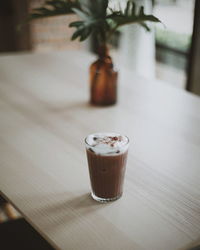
(107, 155)
(107, 174)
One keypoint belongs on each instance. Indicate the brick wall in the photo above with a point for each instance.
(52, 33)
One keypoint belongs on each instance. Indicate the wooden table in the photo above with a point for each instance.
(44, 117)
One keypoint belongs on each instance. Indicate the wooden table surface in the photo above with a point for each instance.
(44, 117)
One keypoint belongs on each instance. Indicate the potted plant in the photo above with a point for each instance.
(97, 19)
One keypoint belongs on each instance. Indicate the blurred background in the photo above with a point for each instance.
(171, 52)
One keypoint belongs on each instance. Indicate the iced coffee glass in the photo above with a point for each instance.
(107, 156)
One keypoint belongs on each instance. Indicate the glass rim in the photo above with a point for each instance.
(85, 140)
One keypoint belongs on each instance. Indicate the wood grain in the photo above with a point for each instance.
(43, 170)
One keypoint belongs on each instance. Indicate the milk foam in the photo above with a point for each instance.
(107, 143)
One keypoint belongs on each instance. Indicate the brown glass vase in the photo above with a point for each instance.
(103, 80)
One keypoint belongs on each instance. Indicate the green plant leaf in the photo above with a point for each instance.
(86, 27)
(141, 12)
(96, 17)
(76, 34)
(129, 16)
(144, 25)
(76, 24)
(86, 32)
(127, 9)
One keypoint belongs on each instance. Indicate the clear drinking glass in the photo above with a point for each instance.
(107, 158)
